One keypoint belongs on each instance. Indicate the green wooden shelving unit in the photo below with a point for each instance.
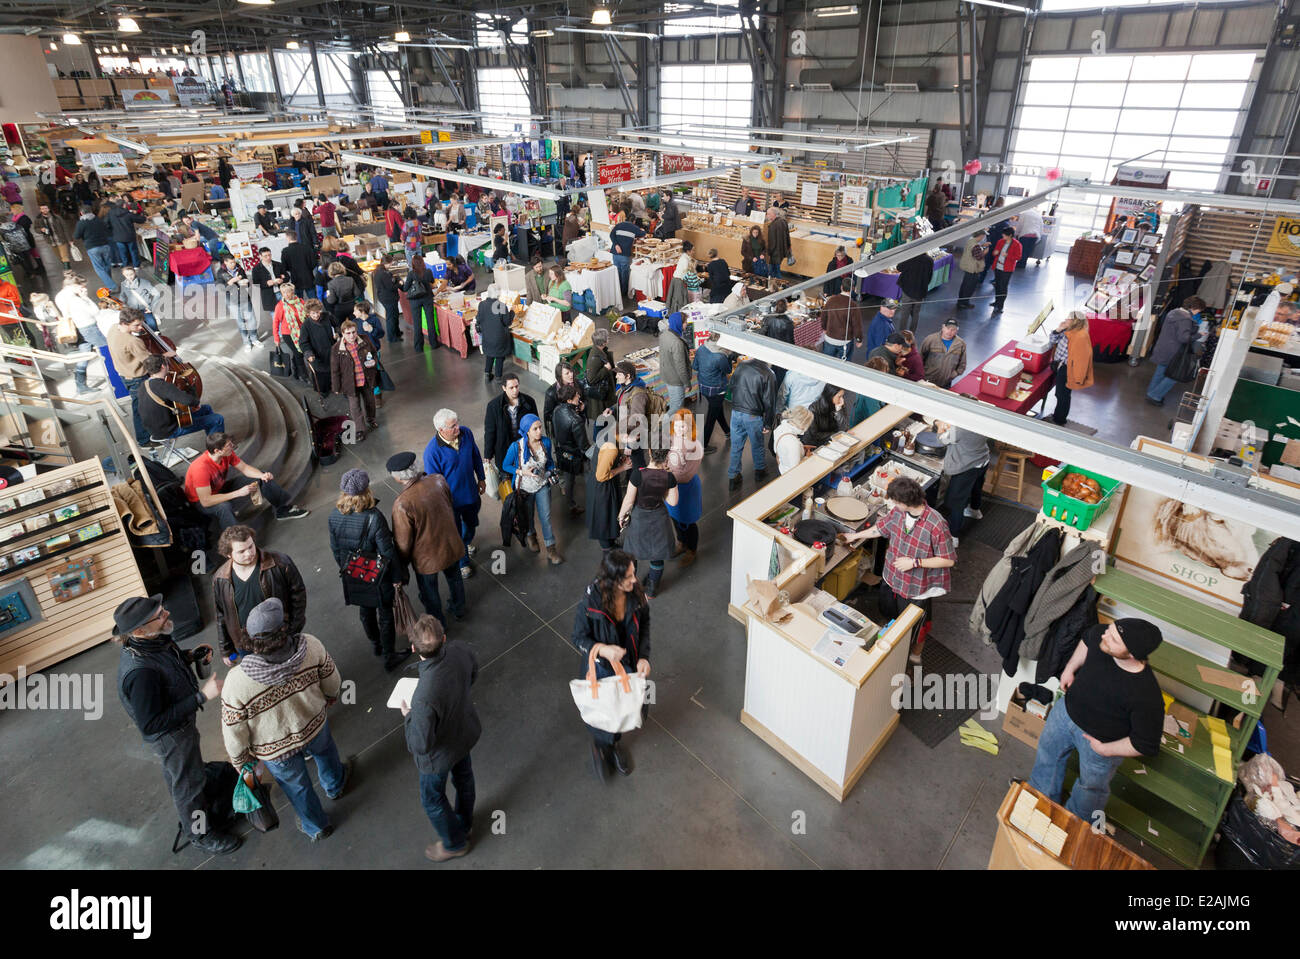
(1174, 800)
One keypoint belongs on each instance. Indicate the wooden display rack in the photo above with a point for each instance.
(69, 627)
(1083, 848)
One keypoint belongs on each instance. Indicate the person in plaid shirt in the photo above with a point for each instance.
(919, 556)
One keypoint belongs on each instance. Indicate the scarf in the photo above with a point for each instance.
(356, 362)
(271, 669)
(293, 319)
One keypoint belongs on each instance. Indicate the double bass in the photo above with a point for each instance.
(176, 371)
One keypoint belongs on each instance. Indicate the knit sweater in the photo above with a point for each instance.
(275, 721)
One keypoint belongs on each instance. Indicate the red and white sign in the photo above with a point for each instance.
(676, 164)
(619, 171)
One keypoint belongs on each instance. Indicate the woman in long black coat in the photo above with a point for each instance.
(494, 319)
(605, 494)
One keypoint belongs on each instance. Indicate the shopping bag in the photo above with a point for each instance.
(613, 704)
(403, 614)
(1184, 364)
(254, 800)
(492, 480)
(277, 363)
(77, 255)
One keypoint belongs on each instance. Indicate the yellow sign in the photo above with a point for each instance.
(1285, 239)
(444, 136)
(426, 136)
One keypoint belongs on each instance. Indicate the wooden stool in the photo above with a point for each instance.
(1010, 466)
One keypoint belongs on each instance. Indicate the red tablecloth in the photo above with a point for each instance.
(969, 385)
(1109, 337)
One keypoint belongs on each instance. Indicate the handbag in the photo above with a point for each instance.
(253, 799)
(277, 364)
(65, 331)
(363, 575)
(77, 255)
(403, 613)
(613, 704)
(492, 480)
(1184, 364)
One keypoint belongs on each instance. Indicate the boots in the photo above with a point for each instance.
(914, 657)
(651, 582)
(688, 557)
(531, 543)
(553, 555)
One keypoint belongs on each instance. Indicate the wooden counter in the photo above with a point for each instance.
(829, 721)
(811, 254)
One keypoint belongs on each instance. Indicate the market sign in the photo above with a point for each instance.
(1285, 239)
(244, 172)
(109, 164)
(134, 99)
(615, 172)
(191, 91)
(769, 177)
(426, 136)
(677, 164)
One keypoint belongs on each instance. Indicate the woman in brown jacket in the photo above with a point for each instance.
(353, 373)
(1071, 361)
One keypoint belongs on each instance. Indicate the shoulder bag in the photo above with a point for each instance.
(1184, 364)
(613, 704)
(253, 799)
(363, 574)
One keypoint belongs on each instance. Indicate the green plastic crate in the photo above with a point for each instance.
(1071, 511)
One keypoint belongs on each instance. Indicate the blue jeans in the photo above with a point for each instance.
(427, 586)
(204, 419)
(127, 254)
(1061, 737)
(293, 778)
(746, 426)
(91, 341)
(542, 503)
(467, 517)
(677, 397)
(624, 266)
(837, 351)
(1160, 384)
(451, 824)
(133, 388)
(101, 258)
(241, 311)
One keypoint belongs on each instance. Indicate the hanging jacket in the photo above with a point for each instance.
(1072, 574)
(1214, 285)
(1263, 595)
(997, 578)
(1007, 610)
(1063, 638)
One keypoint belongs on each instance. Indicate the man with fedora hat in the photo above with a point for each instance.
(160, 692)
(1112, 710)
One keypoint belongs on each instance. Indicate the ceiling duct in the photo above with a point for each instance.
(853, 77)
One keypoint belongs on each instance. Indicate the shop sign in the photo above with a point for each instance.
(444, 136)
(133, 99)
(618, 172)
(245, 172)
(109, 164)
(426, 136)
(1285, 239)
(769, 177)
(191, 91)
(677, 164)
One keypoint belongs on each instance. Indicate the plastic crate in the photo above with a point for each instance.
(1071, 511)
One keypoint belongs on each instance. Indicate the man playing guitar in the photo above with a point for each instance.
(160, 401)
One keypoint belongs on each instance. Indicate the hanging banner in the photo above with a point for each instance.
(616, 172)
(109, 164)
(191, 91)
(676, 164)
(246, 172)
(426, 136)
(444, 136)
(769, 177)
(1285, 239)
(133, 99)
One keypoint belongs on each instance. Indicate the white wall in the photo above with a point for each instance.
(27, 86)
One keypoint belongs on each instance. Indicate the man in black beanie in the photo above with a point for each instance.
(1112, 710)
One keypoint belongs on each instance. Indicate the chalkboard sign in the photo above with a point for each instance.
(162, 252)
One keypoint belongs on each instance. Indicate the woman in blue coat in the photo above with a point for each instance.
(531, 466)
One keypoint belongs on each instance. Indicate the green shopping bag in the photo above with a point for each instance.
(254, 800)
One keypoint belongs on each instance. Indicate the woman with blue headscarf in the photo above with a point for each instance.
(531, 466)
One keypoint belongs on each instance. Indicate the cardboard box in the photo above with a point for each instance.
(1022, 725)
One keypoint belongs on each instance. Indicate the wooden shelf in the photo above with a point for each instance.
(1158, 779)
(80, 517)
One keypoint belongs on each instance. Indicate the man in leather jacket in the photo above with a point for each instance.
(753, 416)
(250, 575)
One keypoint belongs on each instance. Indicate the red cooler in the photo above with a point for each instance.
(1001, 375)
(1033, 354)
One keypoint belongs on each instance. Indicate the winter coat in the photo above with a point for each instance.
(461, 466)
(442, 725)
(341, 296)
(498, 433)
(942, 366)
(1063, 638)
(714, 368)
(1079, 363)
(365, 532)
(279, 579)
(674, 363)
(122, 223)
(592, 625)
(914, 276)
(425, 530)
(300, 263)
(972, 255)
(1178, 328)
(570, 436)
(494, 328)
(753, 391)
(343, 372)
(600, 381)
(778, 242)
(841, 318)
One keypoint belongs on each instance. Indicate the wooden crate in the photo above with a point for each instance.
(1083, 848)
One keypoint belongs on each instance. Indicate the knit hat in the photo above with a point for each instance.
(354, 482)
(400, 462)
(526, 423)
(1140, 637)
(267, 616)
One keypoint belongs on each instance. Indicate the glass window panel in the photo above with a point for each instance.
(1127, 146)
(1038, 141)
(1222, 66)
(1100, 95)
(1093, 118)
(1042, 160)
(1207, 145)
(1086, 144)
(1053, 68)
(1047, 94)
(1180, 180)
(1145, 121)
(1210, 96)
(1092, 69)
(1043, 118)
(1203, 123)
(1154, 95)
(1160, 67)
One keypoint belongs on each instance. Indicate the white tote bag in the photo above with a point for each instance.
(612, 704)
(492, 480)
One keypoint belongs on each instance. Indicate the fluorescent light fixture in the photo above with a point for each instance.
(127, 25)
(600, 17)
(401, 36)
(131, 144)
(439, 46)
(871, 138)
(659, 147)
(695, 146)
(53, 46)
(848, 11)
(175, 51)
(187, 48)
(291, 45)
(258, 3)
(542, 33)
(1002, 6)
(607, 33)
(456, 176)
(72, 40)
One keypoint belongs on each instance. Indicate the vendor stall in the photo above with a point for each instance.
(812, 244)
(597, 277)
(1030, 390)
(885, 283)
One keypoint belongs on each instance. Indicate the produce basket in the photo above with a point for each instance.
(1071, 511)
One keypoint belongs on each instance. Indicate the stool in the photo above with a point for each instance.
(167, 452)
(1010, 466)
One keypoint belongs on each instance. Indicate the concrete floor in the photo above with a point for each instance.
(705, 792)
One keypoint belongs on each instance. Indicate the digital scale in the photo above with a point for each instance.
(845, 619)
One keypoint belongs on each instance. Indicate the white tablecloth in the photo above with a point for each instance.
(648, 278)
(603, 282)
(583, 248)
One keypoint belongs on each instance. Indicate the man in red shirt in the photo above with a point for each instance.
(209, 485)
(1006, 254)
(393, 223)
(325, 209)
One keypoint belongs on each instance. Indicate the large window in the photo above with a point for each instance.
(384, 96)
(257, 72)
(488, 28)
(713, 94)
(297, 79)
(1050, 6)
(336, 78)
(501, 94)
(1091, 114)
(721, 16)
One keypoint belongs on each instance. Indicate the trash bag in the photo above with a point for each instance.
(1247, 842)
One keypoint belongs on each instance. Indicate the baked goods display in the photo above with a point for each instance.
(1083, 488)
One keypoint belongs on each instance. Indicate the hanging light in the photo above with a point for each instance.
(401, 36)
(175, 51)
(72, 40)
(600, 16)
(115, 48)
(127, 25)
(258, 3)
(291, 45)
(187, 48)
(53, 46)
